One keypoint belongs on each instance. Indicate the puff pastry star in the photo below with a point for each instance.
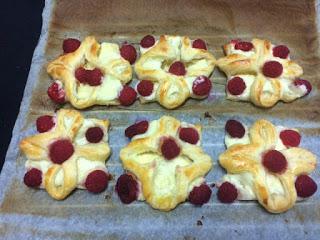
(91, 74)
(173, 69)
(166, 160)
(266, 164)
(262, 73)
(70, 152)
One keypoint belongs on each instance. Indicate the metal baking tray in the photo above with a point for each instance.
(32, 214)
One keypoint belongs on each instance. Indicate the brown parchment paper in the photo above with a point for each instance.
(27, 213)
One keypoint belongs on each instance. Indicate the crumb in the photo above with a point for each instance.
(305, 232)
(212, 185)
(286, 220)
(111, 177)
(202, 217)
(207, 115)
(189, 238)
(199, 223)
(107, 197)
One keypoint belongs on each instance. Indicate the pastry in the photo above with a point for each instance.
(172, 69)
(91, 73)
(68, 153)
(265, 163)
(262, 73)
(165, 164)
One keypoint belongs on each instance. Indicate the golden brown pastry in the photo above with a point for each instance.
(69, 152)
(166, 164)
(173, 69)
(262, 73)
(265, 163)
(91, 74)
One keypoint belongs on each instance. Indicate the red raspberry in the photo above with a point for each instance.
(227, 193)
(189, 135)
(56, 93)
(33, 178)
(281, 51)
(94, 134)
(127, 188)
(97, 181)
(129, 53)
(299, 82)
(235, 129)
(70, 45)
(44, 123)
(200, 195)
(94, 77)
(272, 69)
(137, 128)
(243, 46)
(236, 86)
(305, 186)
(274, 161)
(81, 75)
(201, 86)
(60, 151)
(147, 41)
(199, 43)
(290, 138)
(145, 88)
(127, 96)
(169, 148)
(177, 68)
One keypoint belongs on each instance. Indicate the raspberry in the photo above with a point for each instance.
(44, 123)
(33, 178)
(300, 82)
(60, 151)
(281, 51)
(127, 96)
(137, 128)
(189, 135)
(200, 195)
(169, 148)
(97, 181)
(70, 45)
(227, 193)
(235, 129)
(56, 93)
(305, 186)
(274, 161)
(94, 134)
(199, 43)
(201, 86)
(81, 75)
(129, 53)
(145, 88)
(243, 46)
(147, 41)
(127, 188)
(236, 86)
(94, 77)
(272, 69)
(290, 138)
(177, 68)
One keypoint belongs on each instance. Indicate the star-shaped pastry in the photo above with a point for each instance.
(173, 69)
(262, 73)
(90, 73)
(166, 164)
(265, 163)
(68, 153)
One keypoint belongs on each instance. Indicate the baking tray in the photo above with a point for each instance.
(32, 214)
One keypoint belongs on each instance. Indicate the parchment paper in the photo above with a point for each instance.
(32, 214)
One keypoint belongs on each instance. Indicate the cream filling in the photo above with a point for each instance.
(152, 129)
(109, 89)
(152, 96)
(109, 52)
(248, 80)
(244, 182)
(143, 50)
